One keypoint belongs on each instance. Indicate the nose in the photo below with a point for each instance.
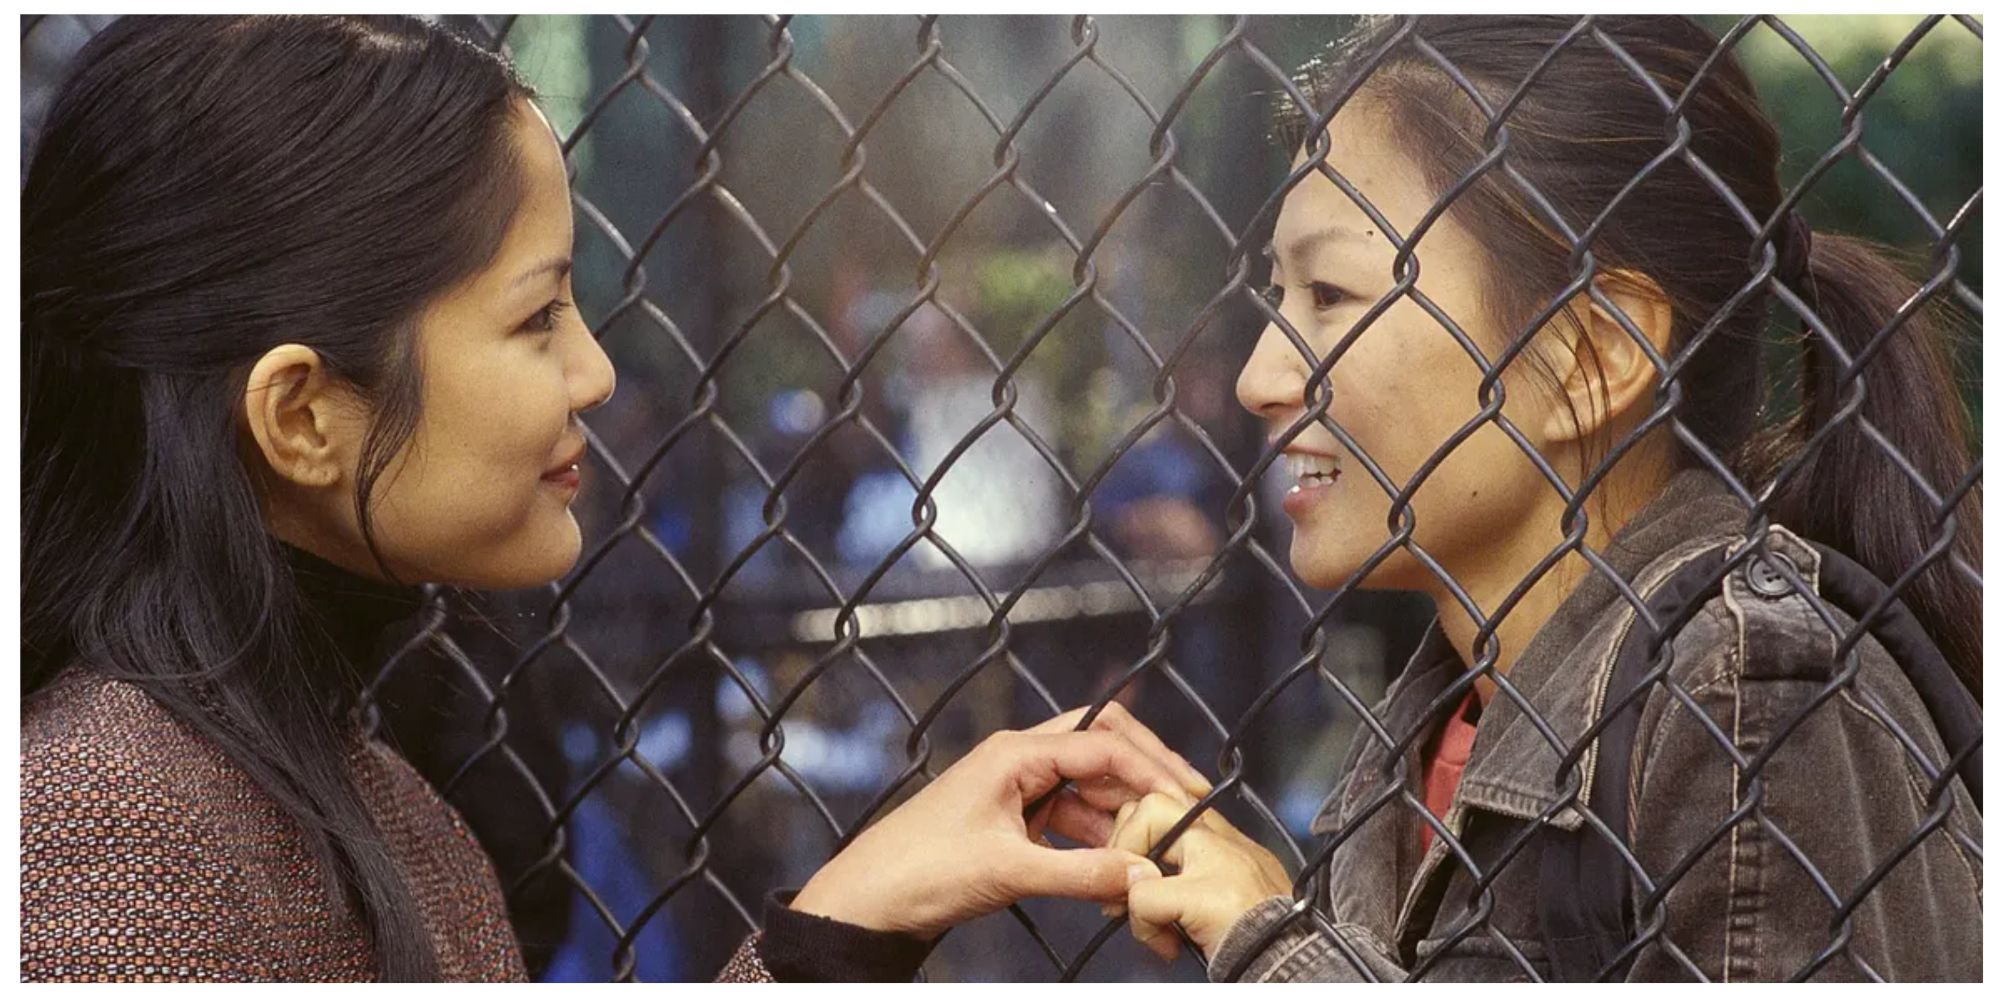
(1273, 380)
(591, 377)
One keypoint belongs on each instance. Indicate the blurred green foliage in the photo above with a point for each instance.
(1922, 125)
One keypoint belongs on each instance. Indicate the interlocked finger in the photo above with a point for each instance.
(1115, 718)
(1144, 823)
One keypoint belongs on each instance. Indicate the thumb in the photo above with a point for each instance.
(1098, 874)
(1155, 906)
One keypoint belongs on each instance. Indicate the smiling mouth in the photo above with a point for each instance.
(570, 470)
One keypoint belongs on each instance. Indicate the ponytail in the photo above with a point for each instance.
(1847, 490)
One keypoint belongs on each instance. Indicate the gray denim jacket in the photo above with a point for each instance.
(1758, 899)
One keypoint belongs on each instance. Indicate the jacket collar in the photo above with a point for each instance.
(1512, 768)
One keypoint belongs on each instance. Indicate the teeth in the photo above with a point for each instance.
(1315, 470)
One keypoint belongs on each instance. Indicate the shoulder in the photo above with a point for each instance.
(1775, 630)
(1771, 657)
(120, 874)
(420, 826)
(90, 737)
(1748, 617)
(88, 732)
(1794, 759)
(449, 871)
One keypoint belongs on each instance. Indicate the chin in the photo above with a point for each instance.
(559, 557)
(1321, 569)
(1329, 568)
(524, 563)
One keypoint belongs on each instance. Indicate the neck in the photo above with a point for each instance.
(1505, 562)
(302, 535)
(353, 611)
(1517, 623)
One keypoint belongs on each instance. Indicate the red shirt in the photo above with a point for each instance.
(1447, 761)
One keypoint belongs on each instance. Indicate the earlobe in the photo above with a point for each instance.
(288, 410)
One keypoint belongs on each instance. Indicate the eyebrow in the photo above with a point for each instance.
(558, 266)
(1314, 240)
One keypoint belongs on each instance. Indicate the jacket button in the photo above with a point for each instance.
(1765, 578)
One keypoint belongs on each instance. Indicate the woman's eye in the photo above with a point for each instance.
(1325, 296)
(544, 320)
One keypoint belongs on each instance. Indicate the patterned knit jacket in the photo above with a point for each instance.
(147, 855)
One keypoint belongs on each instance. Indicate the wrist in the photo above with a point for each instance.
(832, 894)
(1233, 901)
(805, 947)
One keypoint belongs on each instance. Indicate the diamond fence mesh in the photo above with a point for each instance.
(926, 332)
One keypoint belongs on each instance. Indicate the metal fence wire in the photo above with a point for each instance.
(729, 685)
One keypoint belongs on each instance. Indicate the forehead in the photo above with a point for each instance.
(1362, 151)
(542, 223)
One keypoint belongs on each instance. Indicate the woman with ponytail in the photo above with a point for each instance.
(1542, 404)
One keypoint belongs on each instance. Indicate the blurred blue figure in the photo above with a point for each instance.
(606, 862)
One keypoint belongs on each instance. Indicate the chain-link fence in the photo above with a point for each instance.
(927, 332)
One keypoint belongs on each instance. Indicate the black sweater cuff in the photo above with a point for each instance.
(806, 948)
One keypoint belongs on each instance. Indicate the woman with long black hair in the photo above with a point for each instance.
(297, 336)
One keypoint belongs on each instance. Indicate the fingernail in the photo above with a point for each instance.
(1139, 873)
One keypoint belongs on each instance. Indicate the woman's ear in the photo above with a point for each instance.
(291, 407)
(1611, 375)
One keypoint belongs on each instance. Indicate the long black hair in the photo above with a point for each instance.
(1581, 132)
(205, 189)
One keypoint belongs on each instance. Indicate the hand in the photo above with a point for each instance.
(961, 848)
(1222, 874)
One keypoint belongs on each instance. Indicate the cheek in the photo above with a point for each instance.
(1402, 390)
(470, 506)
(1487, 483)
(496, 422)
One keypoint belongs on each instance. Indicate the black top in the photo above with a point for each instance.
(354, 611)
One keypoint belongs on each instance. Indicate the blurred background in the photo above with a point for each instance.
(807, 327)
